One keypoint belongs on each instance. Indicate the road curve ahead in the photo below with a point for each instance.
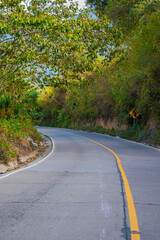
(83, 191)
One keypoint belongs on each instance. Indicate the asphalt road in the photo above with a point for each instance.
(77, 193)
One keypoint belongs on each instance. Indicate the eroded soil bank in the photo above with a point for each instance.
(26, 151)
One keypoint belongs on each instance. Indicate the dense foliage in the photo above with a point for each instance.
(131, 79)
(14, 138)
(43, 42)
(67, 67)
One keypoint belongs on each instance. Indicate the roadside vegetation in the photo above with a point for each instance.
(16, 126)
(128, 86)
(63, 67)
(15, 139)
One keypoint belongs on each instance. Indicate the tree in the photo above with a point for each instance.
(125, 13)
(98, 5)
(41, 41)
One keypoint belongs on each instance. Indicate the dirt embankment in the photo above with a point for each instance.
(148, 134)
(110, 124)
(26, 150)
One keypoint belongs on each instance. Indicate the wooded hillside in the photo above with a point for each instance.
(65, 67)
(125, 83)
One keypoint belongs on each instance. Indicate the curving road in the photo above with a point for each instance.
(78, 192)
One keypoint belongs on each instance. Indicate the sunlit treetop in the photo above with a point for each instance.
(48, 42)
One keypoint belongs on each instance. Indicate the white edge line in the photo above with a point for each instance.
(131, 141)
(24, 168)
(123, 139)
(118, 137)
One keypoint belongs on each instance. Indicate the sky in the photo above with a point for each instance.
(81, 3)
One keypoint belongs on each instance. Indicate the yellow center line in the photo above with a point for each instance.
(135, 235)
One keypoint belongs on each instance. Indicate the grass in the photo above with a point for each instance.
(11, 132)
